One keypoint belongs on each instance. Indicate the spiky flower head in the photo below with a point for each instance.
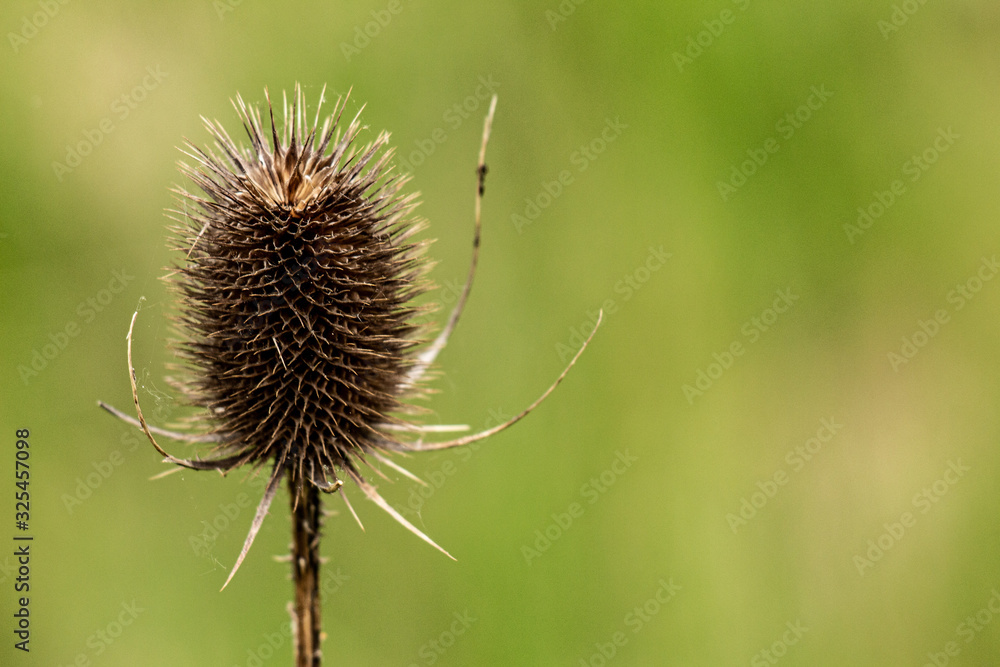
(298, 335)
(295, 293)
(298, 339)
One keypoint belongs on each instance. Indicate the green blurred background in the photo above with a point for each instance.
(667, 523)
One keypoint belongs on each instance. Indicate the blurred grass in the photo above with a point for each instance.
(656, 184)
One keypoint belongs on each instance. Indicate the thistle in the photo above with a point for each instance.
(297, 333)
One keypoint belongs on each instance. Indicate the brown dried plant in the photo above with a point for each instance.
(298, 336)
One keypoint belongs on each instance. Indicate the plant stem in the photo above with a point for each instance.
(305, 572)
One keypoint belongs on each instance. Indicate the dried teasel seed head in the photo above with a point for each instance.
(295, 292)
(298, 335)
